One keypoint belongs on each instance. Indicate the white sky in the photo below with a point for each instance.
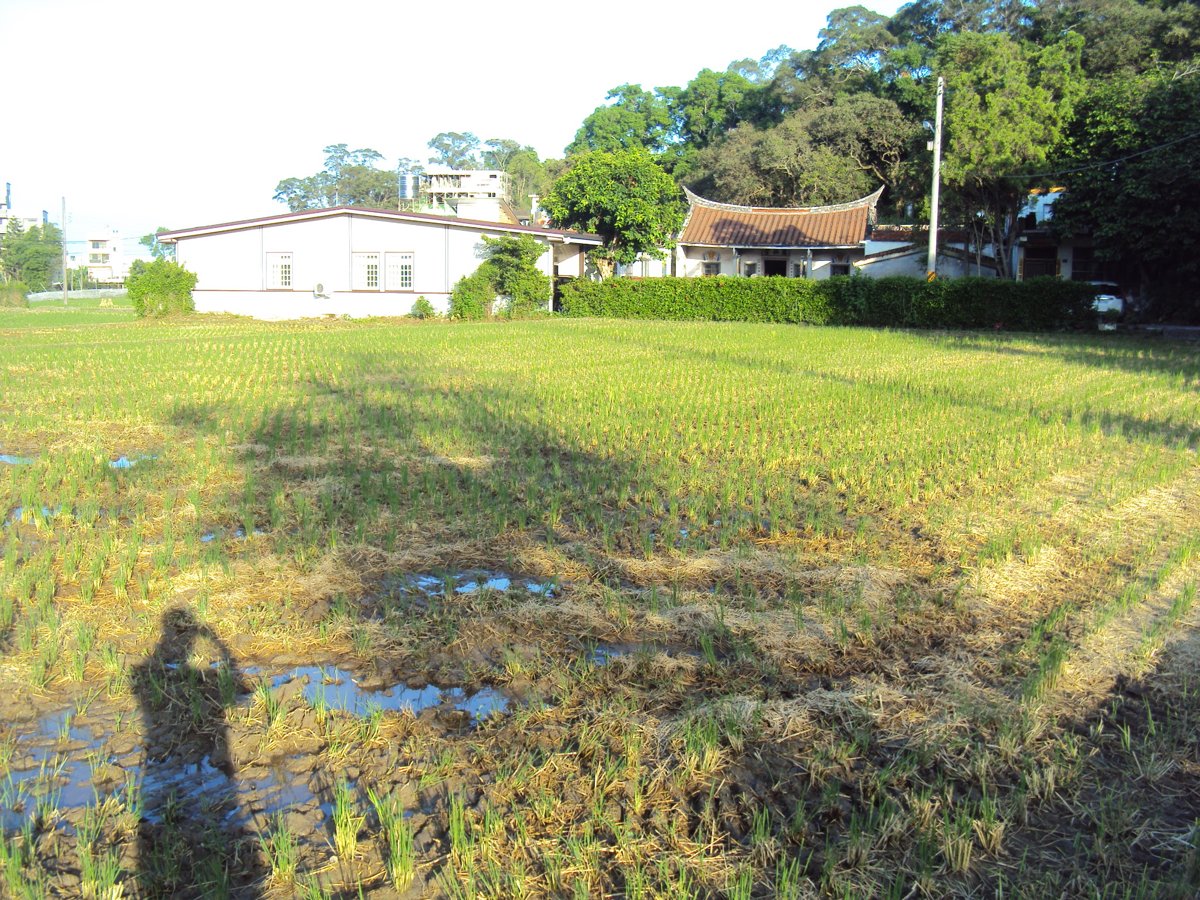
(179, 114)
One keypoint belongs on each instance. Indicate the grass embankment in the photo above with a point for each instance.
(774, 610)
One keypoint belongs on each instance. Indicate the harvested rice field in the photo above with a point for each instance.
(595, 609)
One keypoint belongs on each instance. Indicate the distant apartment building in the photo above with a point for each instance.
(480, 194)
(105, 262)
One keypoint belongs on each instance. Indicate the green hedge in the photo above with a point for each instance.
(1037, 305)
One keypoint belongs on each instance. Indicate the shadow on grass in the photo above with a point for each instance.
(460, 464)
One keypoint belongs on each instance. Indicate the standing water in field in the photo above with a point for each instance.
(329, 687)
(128, 462)
(189, 793)
(469, 582)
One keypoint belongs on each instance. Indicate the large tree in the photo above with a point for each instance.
(455, 150)
(350, 178)
(33, 257)
(157, 250)
(1008, 105)
(1136, 160)
(823, 154)
(1123, 37)
(623, 196)
(634, 118)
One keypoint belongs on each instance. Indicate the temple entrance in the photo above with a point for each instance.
(774, 266)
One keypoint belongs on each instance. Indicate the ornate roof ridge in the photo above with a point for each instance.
(696, 200)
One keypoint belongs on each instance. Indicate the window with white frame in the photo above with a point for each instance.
(364, 275)
(750, 269)
(712, 263)
(399, 272)
(279, 271)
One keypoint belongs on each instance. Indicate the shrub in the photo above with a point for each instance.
(473, 296)
(901, 302)
(160, 288)
(527, 293)
(509, 271)
(423, 309)
(12, 294)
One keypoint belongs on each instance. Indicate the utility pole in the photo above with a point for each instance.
(936, 146)
(63, 234)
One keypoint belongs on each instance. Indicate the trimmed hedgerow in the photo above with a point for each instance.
(717, 299)
(1037, 305)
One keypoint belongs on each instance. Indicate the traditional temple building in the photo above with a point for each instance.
(806, 242)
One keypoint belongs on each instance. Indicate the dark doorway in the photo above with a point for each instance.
(775, 266)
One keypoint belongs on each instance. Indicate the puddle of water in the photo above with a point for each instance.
(482, 704)
(52, 774)
(17, 515)
(54, 766)
(9, 460)
(603, 654)
(54, 780)
(336, 688)
(209, 536)
(63, 780)
(58, 725)
(471, 582)
(128, 462)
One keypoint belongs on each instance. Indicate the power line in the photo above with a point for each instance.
(1111, 162)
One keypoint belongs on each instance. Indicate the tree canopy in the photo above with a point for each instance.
(1036, 92)
(624, 197)
(350, 178)
(33, 256)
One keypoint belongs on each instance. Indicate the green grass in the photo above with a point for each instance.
(878, 586)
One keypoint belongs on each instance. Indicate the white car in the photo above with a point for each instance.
(1109, 309)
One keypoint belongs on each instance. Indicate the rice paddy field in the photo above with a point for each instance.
(595, 609)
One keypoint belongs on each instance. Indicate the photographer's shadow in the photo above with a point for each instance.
(192, 841)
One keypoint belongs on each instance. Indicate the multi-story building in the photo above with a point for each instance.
(480, 194)
(105, 262)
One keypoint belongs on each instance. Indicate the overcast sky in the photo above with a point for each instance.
(180, 114)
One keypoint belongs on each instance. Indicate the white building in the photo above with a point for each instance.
(348, 261)
(469, 193)
(105, 261)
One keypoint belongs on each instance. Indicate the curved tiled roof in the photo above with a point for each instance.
(711, 224)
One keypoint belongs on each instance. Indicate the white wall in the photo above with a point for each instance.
(232, 272)
(570, 258)
(914, 264)
(690, 260)
(302, 305)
